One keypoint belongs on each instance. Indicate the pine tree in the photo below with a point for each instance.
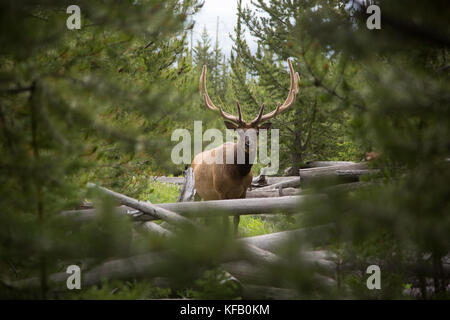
(218, 73)
(202, 51)
(389, 87)
(308, 131)
(68, 98)
(242, 87)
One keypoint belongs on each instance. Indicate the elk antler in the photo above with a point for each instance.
(210, 105)
(287, 103)
(260, 117)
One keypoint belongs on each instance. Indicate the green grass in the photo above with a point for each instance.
(160, 192)
(254, 226)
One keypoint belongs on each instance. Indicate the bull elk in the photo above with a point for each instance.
(219, 180)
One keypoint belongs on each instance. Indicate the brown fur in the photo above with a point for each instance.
(220, 181)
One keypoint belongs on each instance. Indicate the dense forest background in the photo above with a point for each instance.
(99, 104)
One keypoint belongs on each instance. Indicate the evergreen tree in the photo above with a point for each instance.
(390, 88)
(309, 131)
(219, 70)
(98, 104)
(242, 87)
(202, 51)
(68, 98)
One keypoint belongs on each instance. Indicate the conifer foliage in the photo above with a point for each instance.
(99, 104)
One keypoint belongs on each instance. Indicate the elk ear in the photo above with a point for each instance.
(266, 125)
(230, 125)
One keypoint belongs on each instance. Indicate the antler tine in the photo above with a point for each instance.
(239, 111)
(210, 105)
(204, 92)
(228, 116)
(293, 91)
(259, 116)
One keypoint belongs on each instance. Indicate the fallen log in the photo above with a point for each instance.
(154, 228)
(257, 292)
(343, 187)
(211, 209)
(89, 214)
(276, 179)
(313, 236)
(355, 174)
(152, 265)
(309, 173)
(247, 272)
(258, 193)
(292, 182)
(137, 267)
(319, 164)
(220, 208)
(256, 248)
(259, 181)
(339, 173)
(187, 193)
(174, 180)
(348, 186)
(146, 207)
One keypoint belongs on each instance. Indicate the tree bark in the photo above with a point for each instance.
(187, 193)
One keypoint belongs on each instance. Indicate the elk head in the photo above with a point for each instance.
(259, 122)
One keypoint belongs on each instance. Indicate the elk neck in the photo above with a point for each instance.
(241, 169)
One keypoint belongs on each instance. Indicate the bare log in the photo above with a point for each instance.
(292, 182)
(258, 193)
(264, 180)
(220, 208)
(319, 255)
(274, 179)
(142, 266)
(355, 174)
(256, 254)
(259, 181)
(349, 186)
(308, 175)
(153, 264)
(89, 214)
(146, 207)
(247, 272)
(343, 187)
(252, 292)
(211, 209)
(174, 180)
(272, 242)
(319, 164)
(155, 228)
(248, 250)
(168, 226)
(267, 181)
(187, 193)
